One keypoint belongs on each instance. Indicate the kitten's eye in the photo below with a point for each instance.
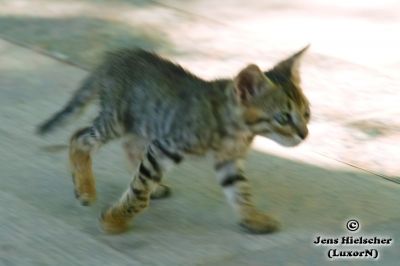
(282, 118)
(307, 115)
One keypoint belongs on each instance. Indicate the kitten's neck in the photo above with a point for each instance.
(228, 110)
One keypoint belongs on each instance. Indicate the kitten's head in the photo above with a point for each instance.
(275, 106)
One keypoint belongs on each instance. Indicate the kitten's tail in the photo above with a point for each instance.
(75, 106)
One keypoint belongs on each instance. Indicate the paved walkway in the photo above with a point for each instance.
(350, 76)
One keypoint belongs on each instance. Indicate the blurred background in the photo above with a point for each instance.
(348, 167)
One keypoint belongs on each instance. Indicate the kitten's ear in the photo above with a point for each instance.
(251, 82)
(290, 67)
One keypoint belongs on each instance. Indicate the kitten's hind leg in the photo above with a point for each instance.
(145, 184)
(116, 219)
(164, 158)
(160, 191)
(161, 158)
(81, 166)
(135, 150)
(83, 142)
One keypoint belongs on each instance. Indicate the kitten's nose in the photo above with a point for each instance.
(302, 132)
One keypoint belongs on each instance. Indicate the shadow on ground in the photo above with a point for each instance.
(81, 40)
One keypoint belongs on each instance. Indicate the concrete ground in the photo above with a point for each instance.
(348, 168)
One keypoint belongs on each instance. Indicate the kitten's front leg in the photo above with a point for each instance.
(238, 192)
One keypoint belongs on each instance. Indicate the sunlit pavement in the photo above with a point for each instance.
(350, 76)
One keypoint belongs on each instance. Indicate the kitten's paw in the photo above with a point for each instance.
(160, 192)
(259, 223)
(113, 224)
(85, 193)
(85, 199)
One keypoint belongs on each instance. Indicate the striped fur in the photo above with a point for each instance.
(166, 113)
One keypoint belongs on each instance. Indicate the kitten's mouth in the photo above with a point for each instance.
(292, 141)
(285, 140)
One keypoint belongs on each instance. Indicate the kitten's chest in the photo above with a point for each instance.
(234, 146)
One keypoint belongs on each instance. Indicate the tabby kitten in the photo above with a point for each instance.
(165, 113)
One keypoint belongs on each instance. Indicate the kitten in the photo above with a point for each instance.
(165, 112)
